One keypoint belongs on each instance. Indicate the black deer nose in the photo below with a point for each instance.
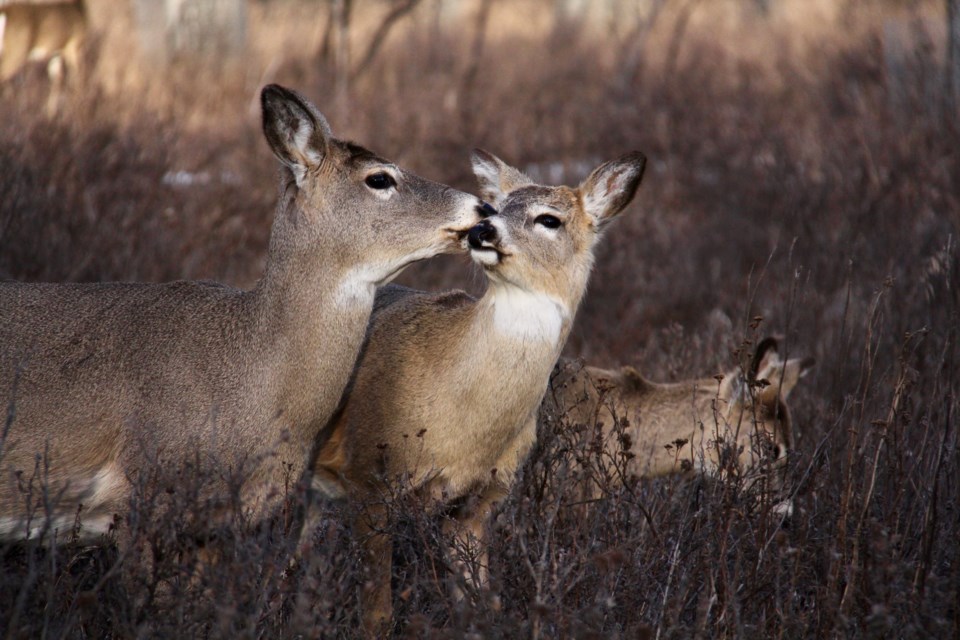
(481, 232)
(486, 210)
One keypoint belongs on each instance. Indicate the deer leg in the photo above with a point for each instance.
(55, 71)
(370, 528)
(469, 555)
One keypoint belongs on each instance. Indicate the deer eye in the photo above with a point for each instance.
(380, 180)
(548, 221)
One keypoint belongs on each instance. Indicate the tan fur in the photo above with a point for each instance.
(447, 389)
(52, 32)
(107, 382)
(730, 423)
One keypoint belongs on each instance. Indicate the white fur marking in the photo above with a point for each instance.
(487, 172)
(384, 194)
(301, 138)
(106, 484)
(360, 284)
(487, 257)
(103, 487)
(488, 176)
(356, 289)
(61, 526)
(38, 54)
(597, 201)
(527, 315)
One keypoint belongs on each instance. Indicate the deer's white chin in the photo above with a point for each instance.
(485, 257)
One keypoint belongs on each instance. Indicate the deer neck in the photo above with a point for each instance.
(533, 319)
(516, 337)
(313, 305)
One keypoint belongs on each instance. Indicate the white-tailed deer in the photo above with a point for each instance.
(51, 32)
(105, 380)
(445, 396)
(738, 422)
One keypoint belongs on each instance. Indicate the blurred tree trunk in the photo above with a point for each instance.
(151, 17)
(340, 32)
(469, 81)
(569, 19)
(676, 38)
(953, 53)
(633, 44)
(211, 30)
(399, 9)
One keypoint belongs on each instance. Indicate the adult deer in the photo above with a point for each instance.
(445, 396)
(105, 380)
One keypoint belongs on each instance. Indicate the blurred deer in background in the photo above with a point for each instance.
(51, 32)
(445, 395)
(734, 423)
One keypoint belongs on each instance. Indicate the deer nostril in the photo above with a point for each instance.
(481, 232)
(486, 210)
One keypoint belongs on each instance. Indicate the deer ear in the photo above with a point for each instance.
(764, 356)
(611, 186)
(632, 379)
(495, 177)
(297, 132)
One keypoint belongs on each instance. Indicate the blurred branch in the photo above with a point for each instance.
(473, 67)
(399, 10)
(953, 53)
(326, 44)
(679, 30)
(634, 42)
(340, 19)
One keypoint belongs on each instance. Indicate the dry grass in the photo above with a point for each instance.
(813, 184)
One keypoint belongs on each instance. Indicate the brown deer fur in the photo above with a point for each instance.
(107, 381)
(738, 422)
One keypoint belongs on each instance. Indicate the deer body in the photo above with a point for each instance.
(447, 389)
(708, 425)
(105, 380)
(490, 400)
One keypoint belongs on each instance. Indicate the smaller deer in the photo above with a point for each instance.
(736, 422)
(51, 31)
(445, 395)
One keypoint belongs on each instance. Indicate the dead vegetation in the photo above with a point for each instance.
(808, 188)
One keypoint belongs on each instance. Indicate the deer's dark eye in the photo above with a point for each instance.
(380, 180)
(550, 222)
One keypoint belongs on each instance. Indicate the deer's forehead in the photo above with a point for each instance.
(357, 156)
(521, 201)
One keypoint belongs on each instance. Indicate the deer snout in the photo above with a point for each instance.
(481, 233)
(485, 210)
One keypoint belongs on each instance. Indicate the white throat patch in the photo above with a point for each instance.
(527, 315)
(355, 290)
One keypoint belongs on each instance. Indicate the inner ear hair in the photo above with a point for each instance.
(766, 345)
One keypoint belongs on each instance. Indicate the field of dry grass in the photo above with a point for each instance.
(804, 180)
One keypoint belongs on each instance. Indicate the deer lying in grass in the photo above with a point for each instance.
(104, 381)
(445, 396)
(738, 422)
(50, 31)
